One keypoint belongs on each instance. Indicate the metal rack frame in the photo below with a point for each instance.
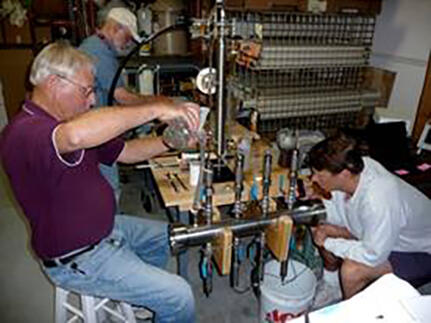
(300, 70)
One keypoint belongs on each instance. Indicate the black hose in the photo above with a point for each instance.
(133, 51)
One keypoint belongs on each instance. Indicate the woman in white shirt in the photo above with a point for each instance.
(376, 222)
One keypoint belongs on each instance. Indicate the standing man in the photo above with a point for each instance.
(51, 152)
(116, 32)
(376, 222)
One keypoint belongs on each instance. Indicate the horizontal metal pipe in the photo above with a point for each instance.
(183, 236)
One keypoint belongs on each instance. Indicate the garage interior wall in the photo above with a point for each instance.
(402, 44)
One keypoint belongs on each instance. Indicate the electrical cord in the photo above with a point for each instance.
(295, 275)
(150, 38)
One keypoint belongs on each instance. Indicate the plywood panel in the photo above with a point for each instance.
(13, 69)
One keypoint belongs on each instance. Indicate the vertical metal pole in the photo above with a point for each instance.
(237, 212)
(291, 197)
(208, 213)
(267, 168)
(221, 113)
(239, 186)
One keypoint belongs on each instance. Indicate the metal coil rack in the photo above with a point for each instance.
(300, 70)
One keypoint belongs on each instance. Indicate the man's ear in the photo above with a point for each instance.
(51, 81)
(345, 173)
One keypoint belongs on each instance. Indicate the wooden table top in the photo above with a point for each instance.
(223, 192)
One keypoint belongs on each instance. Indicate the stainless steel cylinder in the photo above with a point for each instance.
(183, 236)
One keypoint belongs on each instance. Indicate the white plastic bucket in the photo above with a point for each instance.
(282, 302)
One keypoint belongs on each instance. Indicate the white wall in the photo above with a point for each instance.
(402, 43)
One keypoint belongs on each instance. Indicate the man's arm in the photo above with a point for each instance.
(126, 97)
(380, 225)
(97, 126)
(141, 149)
(323, 231)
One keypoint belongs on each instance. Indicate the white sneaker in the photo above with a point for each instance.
(141, 313)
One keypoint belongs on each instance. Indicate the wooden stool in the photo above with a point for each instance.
(90, 308)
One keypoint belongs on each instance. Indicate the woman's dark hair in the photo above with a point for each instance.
(335, 154)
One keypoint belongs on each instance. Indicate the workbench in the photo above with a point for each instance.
(182, 198)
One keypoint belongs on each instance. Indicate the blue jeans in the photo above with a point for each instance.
(126, 266)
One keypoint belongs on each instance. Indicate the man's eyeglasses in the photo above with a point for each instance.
(85, 90)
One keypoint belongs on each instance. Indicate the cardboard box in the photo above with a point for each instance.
(380, 80)
(17, 35)
(292, 5)
(234, 4)
(372, 7)
(42, 34)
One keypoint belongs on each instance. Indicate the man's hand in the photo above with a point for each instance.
(314, 191)
(310, 193)
(323, 231)
(319, 235)
(188, 111)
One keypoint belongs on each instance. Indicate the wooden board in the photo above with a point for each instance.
(278, 237)
(223, 192)
(222, 247)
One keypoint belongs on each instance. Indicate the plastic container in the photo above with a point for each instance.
(203, 115)
(282, 302)
(195, 167)
(244, 148)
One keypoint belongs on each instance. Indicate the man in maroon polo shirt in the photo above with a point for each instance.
(51, 152)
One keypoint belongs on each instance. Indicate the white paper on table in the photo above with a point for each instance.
(419, 307)
(378, 303)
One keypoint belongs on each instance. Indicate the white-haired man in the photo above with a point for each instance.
(51, 151)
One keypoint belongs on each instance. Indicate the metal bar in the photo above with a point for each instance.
(220, 77)
(239, 186)
(186, 236)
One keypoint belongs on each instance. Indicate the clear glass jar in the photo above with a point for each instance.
(178, 135)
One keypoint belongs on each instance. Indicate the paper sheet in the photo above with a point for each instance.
(381, 302)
